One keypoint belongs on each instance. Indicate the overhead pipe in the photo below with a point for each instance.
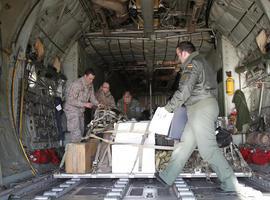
(155, 31)
(118, 6)
(168, 63)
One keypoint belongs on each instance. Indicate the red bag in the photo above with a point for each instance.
(54, 158)
(260, 157)
(39, 157)
(246, 153)
(44, 156)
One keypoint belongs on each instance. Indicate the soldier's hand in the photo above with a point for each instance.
(88, 105)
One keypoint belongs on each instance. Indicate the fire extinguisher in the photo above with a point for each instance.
(229, 83)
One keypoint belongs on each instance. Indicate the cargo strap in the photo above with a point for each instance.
(64, 157)
(140, 150)
(136, 145)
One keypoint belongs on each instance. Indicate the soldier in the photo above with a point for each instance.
(197, 91)
(129, 106)
(77, 99)
(105, 97)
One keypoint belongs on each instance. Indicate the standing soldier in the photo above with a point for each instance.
(77, 99)
(105, 97)
(197, 90)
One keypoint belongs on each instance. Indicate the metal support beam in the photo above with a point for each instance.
(120, 50)
(49, 38)
(126, 32)
(265, 5)
(143, 175)
(251, 65)
(239, 21)
(197, 8)
(150, 99)
(147, 12)
(1, 175)
(182, 190)
(131, 50)
(98, 53)
(61, 190)
(119, 189)
(255, 24)
(1, 54)
(87, 10)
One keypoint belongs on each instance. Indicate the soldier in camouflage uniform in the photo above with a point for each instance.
(105, 97)
(129, 106)
(197, 90)
(80, 95)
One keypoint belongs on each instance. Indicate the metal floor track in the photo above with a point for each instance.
(150, 188)
(140, 175)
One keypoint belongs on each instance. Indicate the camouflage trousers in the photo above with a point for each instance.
(75, 127)
(200, 131)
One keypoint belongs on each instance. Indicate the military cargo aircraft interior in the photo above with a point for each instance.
(54, 50)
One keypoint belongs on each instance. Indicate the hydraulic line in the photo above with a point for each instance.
(19, 139)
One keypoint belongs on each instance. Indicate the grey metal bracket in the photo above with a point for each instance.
(59, 191)
(119, 190)
(182, 190)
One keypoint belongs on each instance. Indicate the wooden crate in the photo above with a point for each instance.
(79, 156)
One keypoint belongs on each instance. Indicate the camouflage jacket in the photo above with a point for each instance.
(133, 108)
(106, 99)
(78, 93)
(198, 81)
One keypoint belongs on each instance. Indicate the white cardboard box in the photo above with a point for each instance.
(161, 121)
(124, 155)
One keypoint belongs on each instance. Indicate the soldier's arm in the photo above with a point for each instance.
(186, 84)
(112, 102)
(93, 99)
